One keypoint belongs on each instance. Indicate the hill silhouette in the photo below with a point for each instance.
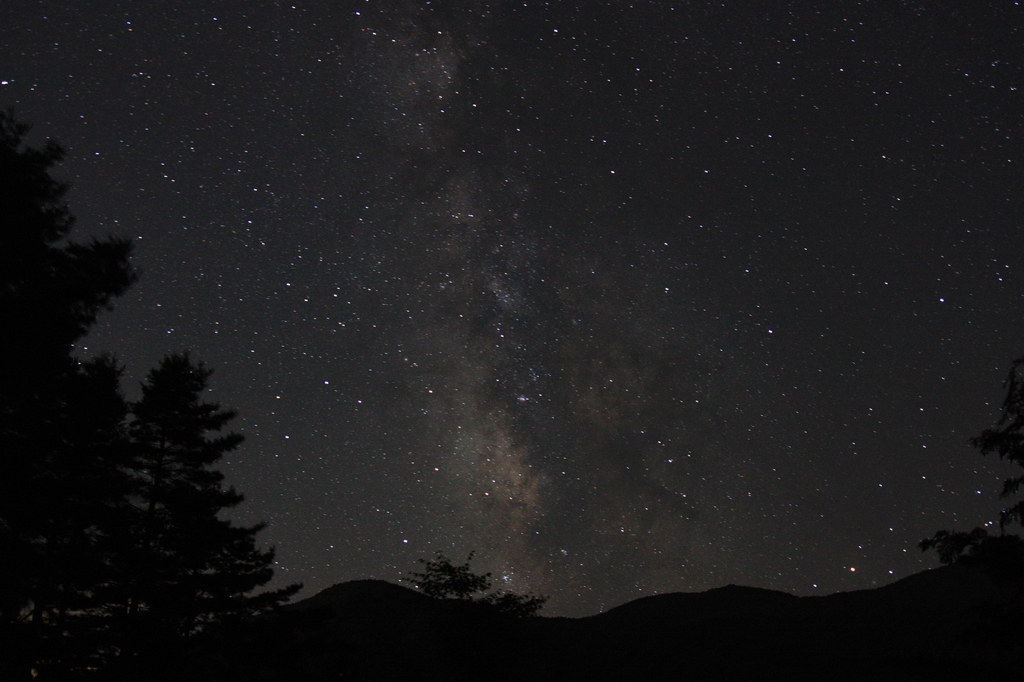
(958, 622)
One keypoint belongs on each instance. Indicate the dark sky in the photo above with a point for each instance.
(628, 298)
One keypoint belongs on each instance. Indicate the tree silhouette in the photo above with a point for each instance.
(997, 624)
(58, 416)
(1006, 439)
(111, 544)
(51, 289)
(514, 604)
(183, 569)
(442, 579)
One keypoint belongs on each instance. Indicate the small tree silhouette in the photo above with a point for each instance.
(516, 605)
(442, 579)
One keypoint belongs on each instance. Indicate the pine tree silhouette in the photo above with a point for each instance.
(111, 547)
(57, 415)
(184, 569)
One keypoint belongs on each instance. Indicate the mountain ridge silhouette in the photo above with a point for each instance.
(933, 625)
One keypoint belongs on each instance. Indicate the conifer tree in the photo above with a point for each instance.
(57, 415)
(184, 567)
(107, 527)
(1005, 439)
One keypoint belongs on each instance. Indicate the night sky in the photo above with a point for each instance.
(627, 297)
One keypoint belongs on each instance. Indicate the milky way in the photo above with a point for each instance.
(627, 299)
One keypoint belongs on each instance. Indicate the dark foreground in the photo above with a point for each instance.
(961, 622)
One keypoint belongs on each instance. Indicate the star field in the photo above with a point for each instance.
(627, 297)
